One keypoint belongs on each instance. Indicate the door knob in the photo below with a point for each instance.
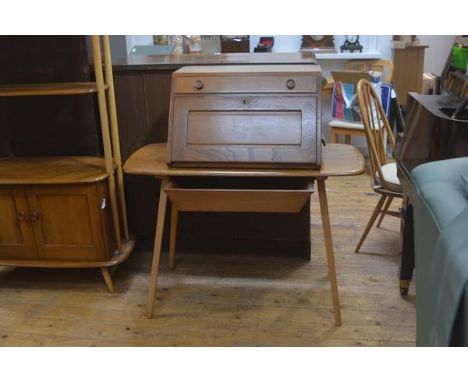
(34, 216)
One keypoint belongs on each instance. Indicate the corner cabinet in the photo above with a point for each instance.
(67, 212)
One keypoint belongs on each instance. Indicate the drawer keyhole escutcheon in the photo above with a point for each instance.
(198, 85)
(290, 84)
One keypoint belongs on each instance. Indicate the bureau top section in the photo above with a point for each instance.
(246, 70)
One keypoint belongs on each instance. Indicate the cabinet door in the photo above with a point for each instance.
(16, 235)
(255, 129)
(67, 222)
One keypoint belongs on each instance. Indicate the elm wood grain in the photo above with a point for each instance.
(16, 234)
(275, 130)
(338, 160)
(226, 300)
(290, 83)
(48, 89)
(67, 222)
(51, 170)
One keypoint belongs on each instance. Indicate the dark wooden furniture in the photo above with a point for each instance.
(257, 115)
(235, 44)
(430, 135)
(66, 212)
(226, 189)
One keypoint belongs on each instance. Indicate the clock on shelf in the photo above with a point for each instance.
(321, 43)
(351, 43)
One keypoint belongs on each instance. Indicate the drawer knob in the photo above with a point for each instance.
(20, 216)
(198, 85)
(290, 84)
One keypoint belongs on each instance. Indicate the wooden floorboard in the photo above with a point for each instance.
(227, 300)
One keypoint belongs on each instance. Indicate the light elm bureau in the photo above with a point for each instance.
(245, 115)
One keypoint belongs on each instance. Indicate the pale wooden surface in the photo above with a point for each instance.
(227, 299)
(247, 70)
(48, 89)
(51, 170)
(338, 160)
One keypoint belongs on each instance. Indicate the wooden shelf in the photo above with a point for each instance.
(48, 89)
(52, 170)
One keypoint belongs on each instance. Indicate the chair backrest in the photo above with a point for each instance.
(457, 84)
(376, 126)
(383, 66)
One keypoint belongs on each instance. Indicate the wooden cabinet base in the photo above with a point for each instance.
(59, 226)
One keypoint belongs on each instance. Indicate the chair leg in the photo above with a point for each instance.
(333, 136)
(374, 215)
(385, 209)
(348, 139)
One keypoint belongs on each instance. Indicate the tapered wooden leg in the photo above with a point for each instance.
(157, 249)
(172, 239)
(108, 279)
(385, 209)
(348, 139)
(374, 215)
(329, 248)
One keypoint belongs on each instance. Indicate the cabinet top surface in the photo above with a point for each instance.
(174, 61)
(337, 160)
(246, 70)
(51, 170)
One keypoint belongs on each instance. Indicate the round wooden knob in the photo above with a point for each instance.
(34, 216)
(290, 84)
(198, 85)
(21, 216)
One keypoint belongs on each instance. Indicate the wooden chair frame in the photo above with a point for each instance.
(375, 126)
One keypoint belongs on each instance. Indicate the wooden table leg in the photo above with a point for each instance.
(329, 248)
(108, 279)
(172, 239)
(157, 249)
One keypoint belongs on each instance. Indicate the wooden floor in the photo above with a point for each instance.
(226, 300)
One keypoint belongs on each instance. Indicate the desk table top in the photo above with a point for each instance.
(337, 160)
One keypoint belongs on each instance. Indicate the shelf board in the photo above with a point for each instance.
(348, 56)
(55, 88)
(52, 170)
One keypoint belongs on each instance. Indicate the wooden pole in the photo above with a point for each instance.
(114, 128)
(101, 94)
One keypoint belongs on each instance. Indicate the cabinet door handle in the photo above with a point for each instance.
(198, 85)
(20, 216)
(34, 216)
(290, 84)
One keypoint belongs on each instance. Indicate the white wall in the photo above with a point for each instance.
(437, 53)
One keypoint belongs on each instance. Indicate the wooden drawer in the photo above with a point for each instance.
(262, 84)
(240, 194)
(239, 130)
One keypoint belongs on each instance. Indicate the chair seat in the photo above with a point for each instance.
(389, 172)
(346, 124)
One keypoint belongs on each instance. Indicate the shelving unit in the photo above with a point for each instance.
(55, 210)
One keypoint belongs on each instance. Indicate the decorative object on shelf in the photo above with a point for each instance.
(322, 43)
(161, 39)
(264, 45)
(193, 43)
(178, 41)
(351, 43)
(235, 44)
